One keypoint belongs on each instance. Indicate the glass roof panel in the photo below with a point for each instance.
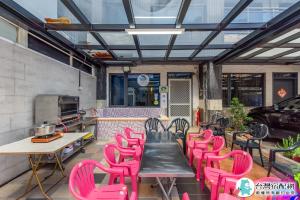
(47, 8)
(155, 11)
(79, 37)
(117, 38)
(154, 39)
(126, 53)
(296, 41)
(103, 11)
(153, 53)
(260, 11)
(250, 52)
(191, 38)
(290, 33)
(181, 53)
(210, 52)
(272, 52)
(292, 55)
(229, 37)
(208, 11)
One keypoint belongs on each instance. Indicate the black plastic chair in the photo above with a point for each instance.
(287, 170)
(258, 132)
(212, 121)
(153, 125)
(219, 127)
(182, 127)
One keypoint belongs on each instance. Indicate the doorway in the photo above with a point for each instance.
(180, 99)
(284, 86)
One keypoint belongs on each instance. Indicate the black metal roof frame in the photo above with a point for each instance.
(262, 33)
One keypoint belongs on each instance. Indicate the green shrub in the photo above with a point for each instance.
(239, 117)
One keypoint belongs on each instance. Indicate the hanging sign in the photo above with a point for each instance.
(143, 80)
(282, 92)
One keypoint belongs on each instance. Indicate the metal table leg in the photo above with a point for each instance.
(35, 165)
(166, 193)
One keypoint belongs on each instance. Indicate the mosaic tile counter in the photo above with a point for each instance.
(113, 120)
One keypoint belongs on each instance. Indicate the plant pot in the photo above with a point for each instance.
(296, 158)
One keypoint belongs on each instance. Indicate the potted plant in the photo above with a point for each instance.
(239, 117)
(296, 155)
(288, 142)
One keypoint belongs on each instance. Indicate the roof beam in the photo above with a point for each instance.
(122, 27)
(181, 14)
(153, 47)
(238, 8)
(83, 20)
(130, 17)
(282, 22)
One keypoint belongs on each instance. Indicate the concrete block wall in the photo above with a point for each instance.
(23, 75)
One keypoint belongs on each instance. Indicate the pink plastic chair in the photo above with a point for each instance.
(82, 184)
(200, 155)
(135, 140)
(126, 152)
(131, 168)
(185, 196)
(242, 164)
(199, 144)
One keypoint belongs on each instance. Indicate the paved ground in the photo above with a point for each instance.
(94, 151)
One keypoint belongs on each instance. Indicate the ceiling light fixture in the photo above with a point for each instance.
(155, 17)
(154, 31)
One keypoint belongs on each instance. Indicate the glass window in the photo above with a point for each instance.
(229, 37)
(79, 37)
(191, 37)
(208, 11)
(141, 90)
(8, 30)
(155, 12)
(117, 38)
(248, 88)
(103, 11)
(290, 104)
(47, 8)
(210, 52)
(154, 39)
(260, 11)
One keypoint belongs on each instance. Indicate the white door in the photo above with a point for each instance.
(180, 99)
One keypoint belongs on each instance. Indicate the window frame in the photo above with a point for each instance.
(126, 90)
(229, 88)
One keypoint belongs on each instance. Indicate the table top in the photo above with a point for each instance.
(161, 137)
(164, 160)
(25, 146)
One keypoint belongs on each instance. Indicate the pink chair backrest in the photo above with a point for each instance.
(218, 143)
(207, 134)
(81, 181)
(121, 140)
(109, 153)
(127, 132)
(242, 162)
(185, 196)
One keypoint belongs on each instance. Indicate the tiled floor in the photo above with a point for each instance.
(94, 151)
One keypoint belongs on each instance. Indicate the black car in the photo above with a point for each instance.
(283, 119)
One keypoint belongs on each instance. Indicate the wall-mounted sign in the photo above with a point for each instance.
(282, 92)
(143, 80)
(163, 89)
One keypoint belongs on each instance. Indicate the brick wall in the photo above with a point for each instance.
(23, 75)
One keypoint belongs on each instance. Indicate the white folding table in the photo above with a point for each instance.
(35, 153)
